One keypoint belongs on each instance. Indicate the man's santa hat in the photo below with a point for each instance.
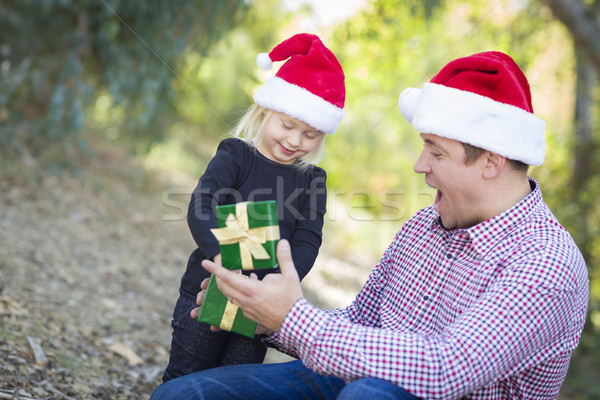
(309, 86)
(483, 100)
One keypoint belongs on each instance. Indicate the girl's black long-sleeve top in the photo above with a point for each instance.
(238, 173)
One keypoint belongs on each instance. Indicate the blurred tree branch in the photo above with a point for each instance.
(582, 20)
(58, 57)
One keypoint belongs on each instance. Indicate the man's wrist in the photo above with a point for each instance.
(301, 325)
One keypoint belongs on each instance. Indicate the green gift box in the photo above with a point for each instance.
(248, 234)
(217, 310)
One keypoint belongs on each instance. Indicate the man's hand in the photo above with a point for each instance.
(268, 301)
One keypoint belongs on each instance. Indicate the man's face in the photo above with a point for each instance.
(457, 200)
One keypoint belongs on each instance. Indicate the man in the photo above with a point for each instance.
(481, 296)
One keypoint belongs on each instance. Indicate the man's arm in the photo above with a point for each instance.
(514, 326)
(492, 340)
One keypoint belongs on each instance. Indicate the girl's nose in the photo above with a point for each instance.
(294, 138)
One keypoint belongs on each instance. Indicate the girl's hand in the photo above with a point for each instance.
(263, 330)
(200, 298)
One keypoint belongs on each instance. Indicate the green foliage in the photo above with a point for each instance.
(215, 88)
(58, 56)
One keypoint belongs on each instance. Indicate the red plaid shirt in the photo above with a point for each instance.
(489, 312)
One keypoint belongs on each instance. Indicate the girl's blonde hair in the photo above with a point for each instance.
(250, 129)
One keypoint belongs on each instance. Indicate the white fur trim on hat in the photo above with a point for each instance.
(477, 120)
(279, 95)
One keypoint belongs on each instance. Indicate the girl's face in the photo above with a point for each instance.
(285, 139)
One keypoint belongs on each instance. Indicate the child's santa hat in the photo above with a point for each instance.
(309, 86)
(483, 100)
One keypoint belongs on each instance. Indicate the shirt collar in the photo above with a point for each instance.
(487, 234)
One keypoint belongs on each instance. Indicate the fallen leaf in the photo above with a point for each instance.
(126, 352)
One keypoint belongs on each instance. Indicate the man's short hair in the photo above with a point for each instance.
(473, 153)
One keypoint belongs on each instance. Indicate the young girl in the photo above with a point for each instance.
(277, 143)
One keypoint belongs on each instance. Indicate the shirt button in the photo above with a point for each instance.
(448, 256)
(425, 298)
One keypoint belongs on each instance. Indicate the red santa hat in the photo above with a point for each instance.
(483, 100)
(309, 86)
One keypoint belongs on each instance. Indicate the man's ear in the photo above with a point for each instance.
(494, 164)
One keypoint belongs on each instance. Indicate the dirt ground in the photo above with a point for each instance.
(89, 271)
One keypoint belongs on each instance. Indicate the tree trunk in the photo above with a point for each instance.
(582, 23)
(583, 146)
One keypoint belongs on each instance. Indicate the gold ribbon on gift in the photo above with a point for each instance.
(228, 316)
(237, 230)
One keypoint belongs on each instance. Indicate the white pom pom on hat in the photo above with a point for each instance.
(264, 62)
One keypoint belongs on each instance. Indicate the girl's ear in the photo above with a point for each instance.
(494, 164)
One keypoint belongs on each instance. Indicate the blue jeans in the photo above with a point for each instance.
(285, 381)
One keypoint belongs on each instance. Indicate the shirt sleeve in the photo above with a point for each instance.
(363, 310)
(514, 319)
(308, 232)
(221, 174)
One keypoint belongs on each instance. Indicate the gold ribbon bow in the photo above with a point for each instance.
(237, 230)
